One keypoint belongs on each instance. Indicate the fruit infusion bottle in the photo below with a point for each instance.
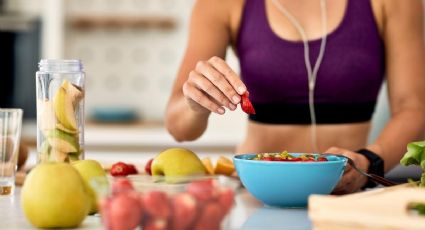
(60, 110)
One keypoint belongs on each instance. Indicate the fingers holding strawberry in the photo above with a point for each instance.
(246, 104)
(213, 85)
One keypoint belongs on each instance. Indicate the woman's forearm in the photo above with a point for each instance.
(404, 127)
(183, 123)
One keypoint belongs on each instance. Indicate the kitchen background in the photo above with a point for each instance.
(131, 50)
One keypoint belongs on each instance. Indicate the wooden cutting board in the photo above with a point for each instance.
(384, 208)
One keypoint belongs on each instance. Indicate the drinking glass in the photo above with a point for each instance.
(10, 135)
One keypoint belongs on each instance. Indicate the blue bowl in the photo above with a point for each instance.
(288, 184)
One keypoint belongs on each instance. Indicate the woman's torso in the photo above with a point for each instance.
(293, 137)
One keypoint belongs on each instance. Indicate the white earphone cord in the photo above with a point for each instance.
(312, 74)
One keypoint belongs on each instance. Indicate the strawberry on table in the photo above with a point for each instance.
(122, 169)
(132, 169)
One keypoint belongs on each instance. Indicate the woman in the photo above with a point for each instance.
(367, 41)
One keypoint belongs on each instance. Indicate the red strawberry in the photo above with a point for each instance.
(125, 212)
(155, 224)
(156, 204)
(148, 166)
(246, 104)
(120, 169)
(226, 199)
(203, 190)
(121, 185)
(210, 217)
(131, 169)
(184, 211)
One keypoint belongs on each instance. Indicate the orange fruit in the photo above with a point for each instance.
(224, 166)
(208, 165)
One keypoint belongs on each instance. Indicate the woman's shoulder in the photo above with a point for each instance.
(226, 11)
(395, 8)
(220, 8)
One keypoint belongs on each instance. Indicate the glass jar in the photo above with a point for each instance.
(60, 110)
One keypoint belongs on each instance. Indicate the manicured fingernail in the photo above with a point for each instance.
(241, 89)
(220, 111)
(236, 99)
(232, 106)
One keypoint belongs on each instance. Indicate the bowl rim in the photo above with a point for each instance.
(238, 158)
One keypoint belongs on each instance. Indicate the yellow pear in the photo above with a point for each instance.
(91, 170)
(177, 162)
(54, 196)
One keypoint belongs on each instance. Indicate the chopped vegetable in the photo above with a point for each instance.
(415, 155)
(418, 207)
(285, 156)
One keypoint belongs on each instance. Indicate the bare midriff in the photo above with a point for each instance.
(262, 138)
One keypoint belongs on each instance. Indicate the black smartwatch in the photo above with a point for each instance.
(376, 165)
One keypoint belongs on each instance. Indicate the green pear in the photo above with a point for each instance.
(90, 170)
(177, 162)
(65, 102)
(54, 196)
(62, 141)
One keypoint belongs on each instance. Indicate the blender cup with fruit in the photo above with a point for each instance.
(60, 111)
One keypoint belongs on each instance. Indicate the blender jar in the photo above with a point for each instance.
(60, 111)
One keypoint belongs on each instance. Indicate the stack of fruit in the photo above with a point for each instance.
(59, 124)
(59, 195)
(183, 162)
(203, 205)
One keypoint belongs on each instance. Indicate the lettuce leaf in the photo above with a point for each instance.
(415, 155)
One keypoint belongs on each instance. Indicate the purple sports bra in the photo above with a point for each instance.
(348, 81)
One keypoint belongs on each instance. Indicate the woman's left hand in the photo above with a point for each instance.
(351, 181)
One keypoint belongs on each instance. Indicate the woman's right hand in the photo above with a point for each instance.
(213, 85)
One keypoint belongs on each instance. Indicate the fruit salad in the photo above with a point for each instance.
(201, 204)
(285, 156)
(58, 121)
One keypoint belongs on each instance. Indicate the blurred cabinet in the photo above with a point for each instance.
(20, 52)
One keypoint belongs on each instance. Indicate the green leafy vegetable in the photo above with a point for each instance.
(418, 207)
(415, 155)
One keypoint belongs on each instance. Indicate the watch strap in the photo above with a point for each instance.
(376, 165)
